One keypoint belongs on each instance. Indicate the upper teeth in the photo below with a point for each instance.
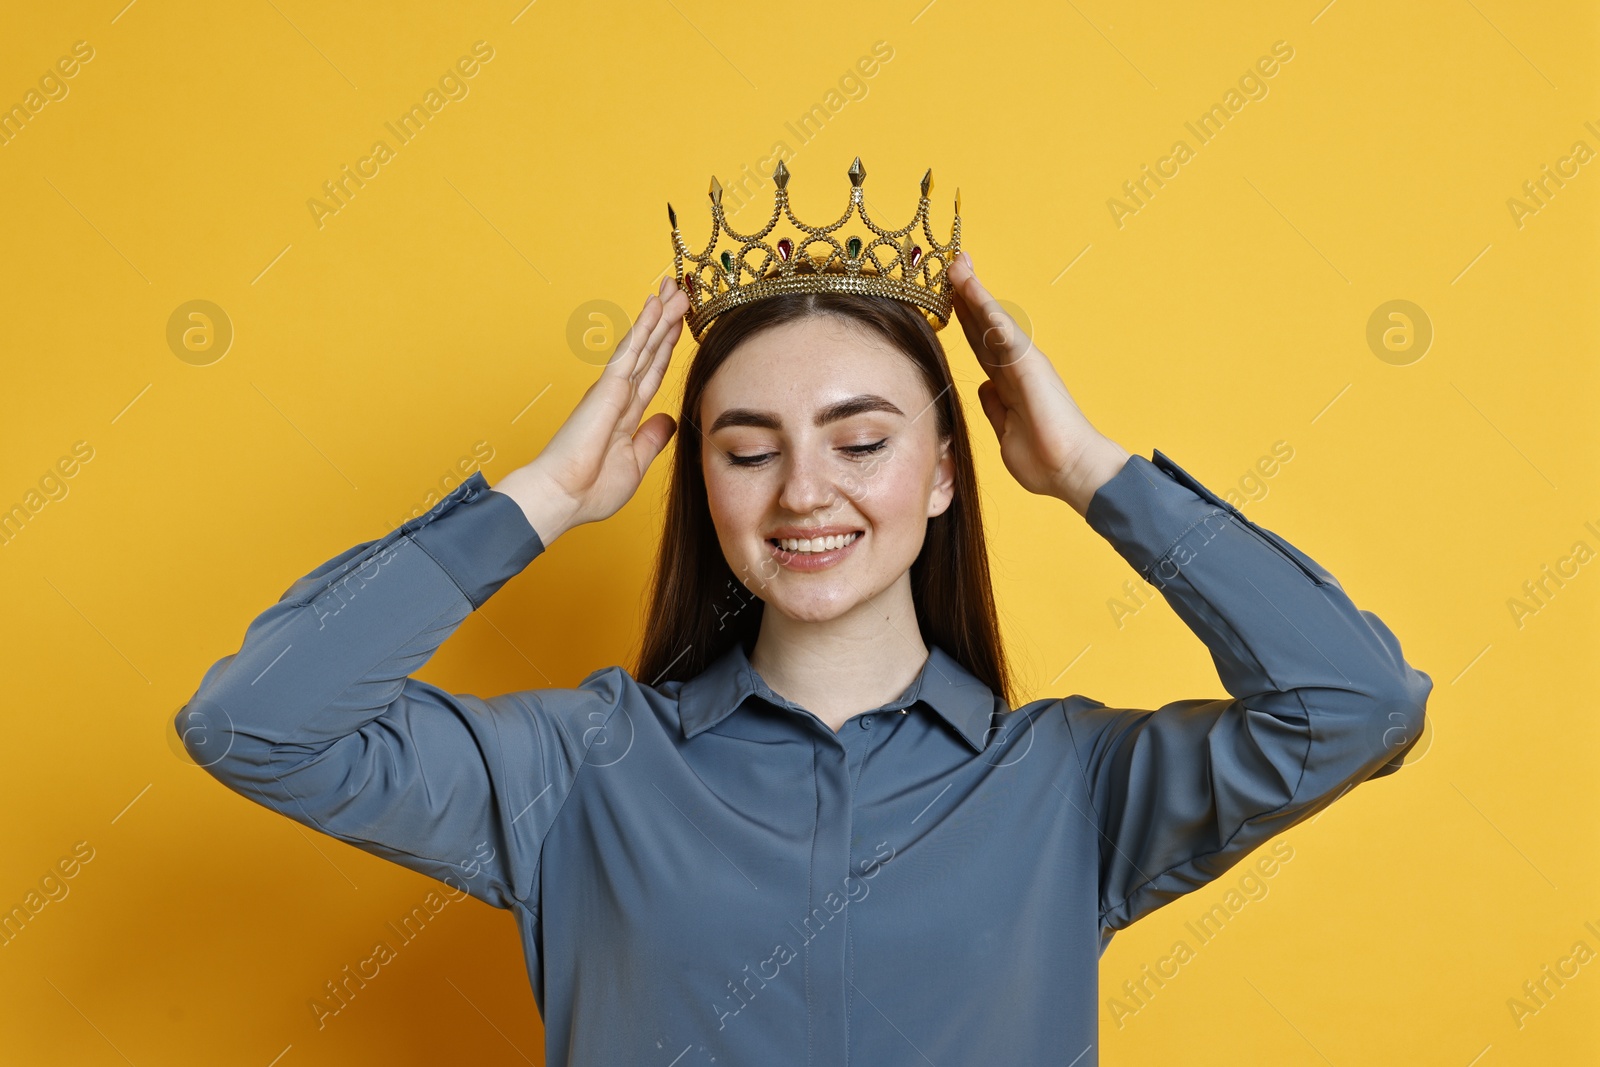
(817, 544)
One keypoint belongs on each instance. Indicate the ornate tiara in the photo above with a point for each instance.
(716, 282)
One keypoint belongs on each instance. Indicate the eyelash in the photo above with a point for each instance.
(756, 460)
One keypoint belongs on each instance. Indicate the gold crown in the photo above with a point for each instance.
(716, 282)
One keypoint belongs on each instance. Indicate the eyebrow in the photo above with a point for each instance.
(768, 420)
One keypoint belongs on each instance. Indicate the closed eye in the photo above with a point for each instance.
(760, 458)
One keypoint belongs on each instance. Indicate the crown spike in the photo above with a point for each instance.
(672, 216)
(716, 191)
(958, 200)
(927, 183)
(858, 173)
(780, 176)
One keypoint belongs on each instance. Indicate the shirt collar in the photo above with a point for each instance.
(958, 696)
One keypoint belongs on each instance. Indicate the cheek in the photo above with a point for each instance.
(735, 507)
(896, 492)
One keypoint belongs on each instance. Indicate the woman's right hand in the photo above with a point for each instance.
(597, 458)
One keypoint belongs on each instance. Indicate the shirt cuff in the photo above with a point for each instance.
(1147, 506)
(479, 537)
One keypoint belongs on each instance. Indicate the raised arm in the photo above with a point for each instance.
(316, 716)
(1322, 697)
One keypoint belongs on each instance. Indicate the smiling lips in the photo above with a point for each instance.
(822, 547)
(815, 544)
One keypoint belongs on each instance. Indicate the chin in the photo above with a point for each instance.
(813, 598)
(811, 611)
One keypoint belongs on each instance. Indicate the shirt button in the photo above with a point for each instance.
(866, 721)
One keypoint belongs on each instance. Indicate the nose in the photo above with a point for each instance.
(808, 486)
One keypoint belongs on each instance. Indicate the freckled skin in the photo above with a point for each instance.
(794, 370)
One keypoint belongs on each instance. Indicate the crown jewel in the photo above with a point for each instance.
(892, 263)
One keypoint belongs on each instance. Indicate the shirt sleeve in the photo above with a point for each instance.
(1322, 698)
(316, 717)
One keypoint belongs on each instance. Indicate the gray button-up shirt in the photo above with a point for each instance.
(704, 872)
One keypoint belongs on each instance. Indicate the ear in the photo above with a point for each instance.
(944, 480)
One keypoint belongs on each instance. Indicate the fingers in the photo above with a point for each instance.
(994, 335)
(635, 370)
(651, 367)
(631, 355)
(658, 331)
(624, 362)
(970, 310)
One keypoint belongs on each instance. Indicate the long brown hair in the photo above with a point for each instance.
(698, 608)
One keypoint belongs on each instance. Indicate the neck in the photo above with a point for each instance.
(837, 668)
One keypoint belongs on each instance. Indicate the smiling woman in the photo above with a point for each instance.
(686, 845)
(827, 415)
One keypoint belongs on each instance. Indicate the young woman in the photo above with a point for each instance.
(808, 827)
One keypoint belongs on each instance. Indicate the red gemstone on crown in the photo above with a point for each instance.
(916, 254)
(784, 248)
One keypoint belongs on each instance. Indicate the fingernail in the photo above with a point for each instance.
(665, 282)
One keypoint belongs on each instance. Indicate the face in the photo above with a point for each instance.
(814, 428)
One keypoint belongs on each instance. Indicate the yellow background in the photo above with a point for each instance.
(371, 353)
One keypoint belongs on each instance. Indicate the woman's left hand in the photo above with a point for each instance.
(1045, 441)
